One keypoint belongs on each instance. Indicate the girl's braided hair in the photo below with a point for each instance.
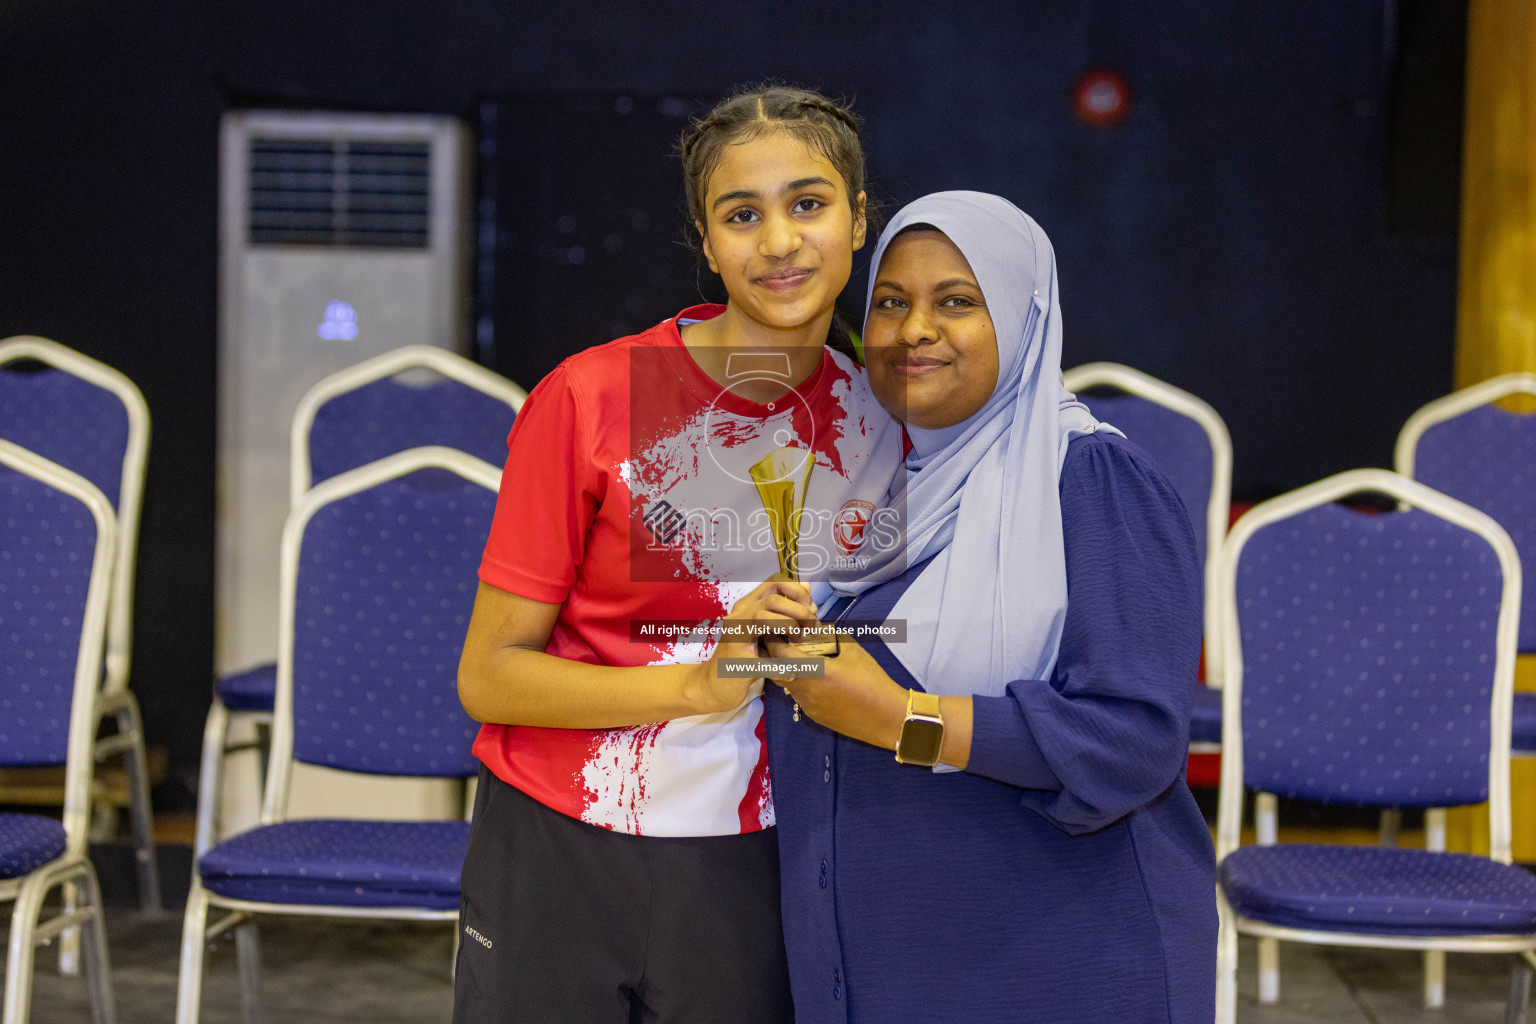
(755, 110)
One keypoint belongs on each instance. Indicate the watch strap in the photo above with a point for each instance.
(924, 704)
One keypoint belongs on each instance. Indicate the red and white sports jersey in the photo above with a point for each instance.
(628, 499)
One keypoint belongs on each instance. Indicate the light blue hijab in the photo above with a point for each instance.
(983, 495)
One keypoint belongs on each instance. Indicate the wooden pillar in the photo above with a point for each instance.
(1496, 297)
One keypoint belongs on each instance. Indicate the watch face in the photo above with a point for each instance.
(920, 741)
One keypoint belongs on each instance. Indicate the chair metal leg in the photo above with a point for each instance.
(27, 931)
(453, 964)
(189, 986)
(130, 724)
(1226, 963)
(1266, 819)
(19, 957)
(471, 787)
(69, 938)
(1391, 826)
(263, 749)
(1434, 959)
(1519, 993)
(1434, 829)
(241, 731)
(1434, 979)
(98, 967)
(1266, 827)
(210, 780)
(248, 953)
(1269, 971)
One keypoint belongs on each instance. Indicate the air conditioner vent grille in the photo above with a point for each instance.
(340, 192)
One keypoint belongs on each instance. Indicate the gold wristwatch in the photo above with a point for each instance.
(922, 734)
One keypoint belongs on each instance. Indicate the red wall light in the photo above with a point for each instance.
(1101, 98)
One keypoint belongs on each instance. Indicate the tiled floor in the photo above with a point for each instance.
(326, 972)
(1371, 987)
(312, 971)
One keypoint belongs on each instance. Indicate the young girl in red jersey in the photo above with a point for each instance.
(622, 864)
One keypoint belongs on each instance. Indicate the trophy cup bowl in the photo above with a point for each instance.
(781, 477)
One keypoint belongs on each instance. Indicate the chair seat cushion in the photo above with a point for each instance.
(1379, 890)
(255, 689)
(1205, 716)
(1523, 735)
(28, 841)
(342, 863)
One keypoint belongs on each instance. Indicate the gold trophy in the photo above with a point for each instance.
(781, 477)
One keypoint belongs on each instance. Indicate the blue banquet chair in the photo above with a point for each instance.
(1190, 442)
(92, 420)
(57, 555)
(410, 397)
(378, 580)
(1369, 662)
(1468, 447)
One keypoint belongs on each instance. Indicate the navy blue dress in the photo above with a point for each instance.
(1067, 874)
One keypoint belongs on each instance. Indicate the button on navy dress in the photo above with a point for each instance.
(1066, 875)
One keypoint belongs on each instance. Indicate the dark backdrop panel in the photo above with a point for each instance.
(1429, 59)
(1229, 236)
(581, 225)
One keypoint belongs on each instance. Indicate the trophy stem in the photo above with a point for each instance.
(782, 477)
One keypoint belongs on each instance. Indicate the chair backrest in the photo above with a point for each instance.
(1370, 658)
(411, 397)
(378, 581)
(1190, 442)
(56, 561)
(92, 420)
(1476, 452)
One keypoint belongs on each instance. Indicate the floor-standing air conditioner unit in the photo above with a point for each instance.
(342, 236)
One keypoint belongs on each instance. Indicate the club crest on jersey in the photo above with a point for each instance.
(850, 523)
(664, 521)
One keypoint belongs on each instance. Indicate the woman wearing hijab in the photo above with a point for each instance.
(1032, 852)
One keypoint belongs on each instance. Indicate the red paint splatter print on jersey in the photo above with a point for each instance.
(627, 498)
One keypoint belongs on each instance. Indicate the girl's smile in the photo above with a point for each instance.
(786, 279)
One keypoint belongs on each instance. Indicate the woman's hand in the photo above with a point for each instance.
(855, 697)
(778, 602)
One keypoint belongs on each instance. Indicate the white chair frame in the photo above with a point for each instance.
(72, 868)
(410, 357)
(117, 700)
(300, 477)
(1218, 507)
(1230, 806)
(196, 932)
(1452, 406)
